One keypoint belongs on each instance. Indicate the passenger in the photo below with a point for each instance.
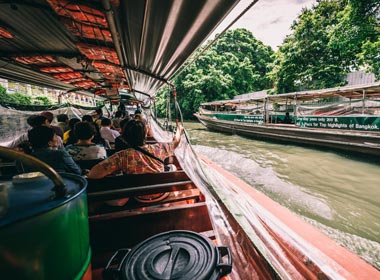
(107, 133)
(63, 122)
(119, 116)
(69, 137)
(98, 116)
(44, 147)
(50, 117)
(120, 141)
(33, 121)
(121, 107)
(85, 149)
(132, 161)
(141, 118)
(287, 118)
(97, 137)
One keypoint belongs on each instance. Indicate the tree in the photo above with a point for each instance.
(370, 57)
(329, 40)
(16, 98)
(236, 64)
(41, 100)
(366, 14)
(304, 61)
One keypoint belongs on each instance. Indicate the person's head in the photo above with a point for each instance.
(140, 117)
(105, 122)
(135, 133)
(119, 114)
(287, 114)
(84, 130)
(48, 115)
(37, 120)
(137, 111)
(63, 118)
(121, 106)
(97, 113)
(87, 118)
(123, 122)
(72, 122)
(43, 137)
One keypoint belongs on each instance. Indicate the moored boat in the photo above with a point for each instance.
(344, 118)
(101, 47)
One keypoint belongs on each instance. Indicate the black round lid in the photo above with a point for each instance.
(172, 255)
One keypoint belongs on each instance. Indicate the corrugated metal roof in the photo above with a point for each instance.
(360, 78)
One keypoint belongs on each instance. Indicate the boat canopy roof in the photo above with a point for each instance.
(353, 91)
(101, 46)
(371, 90)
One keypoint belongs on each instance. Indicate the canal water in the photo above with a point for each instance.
(338, 194)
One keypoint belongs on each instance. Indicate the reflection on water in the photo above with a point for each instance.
(338, 195)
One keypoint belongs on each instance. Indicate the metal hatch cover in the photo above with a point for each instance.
(176, 254)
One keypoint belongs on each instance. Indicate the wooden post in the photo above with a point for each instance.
(363, 102)
(265, 111)
(295, 109)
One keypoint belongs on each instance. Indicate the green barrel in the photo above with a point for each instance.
(43, 237)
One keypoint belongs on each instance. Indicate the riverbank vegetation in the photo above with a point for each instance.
(328, 41)
(20, 98)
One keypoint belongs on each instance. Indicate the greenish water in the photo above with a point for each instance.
(337, 194)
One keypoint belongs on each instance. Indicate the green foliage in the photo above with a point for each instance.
(304, 61)
(41, 100)
(17, 98)
(3, 90)
(370, 56)
(237, 63)
(329, 40)
(20, 98)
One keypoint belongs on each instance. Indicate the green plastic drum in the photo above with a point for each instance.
(42, 237)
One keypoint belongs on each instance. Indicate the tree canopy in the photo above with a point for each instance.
(328, 41)
(235, 64)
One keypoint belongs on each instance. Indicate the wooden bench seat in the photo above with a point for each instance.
(173, 199)
(124, 229)
(137, 184)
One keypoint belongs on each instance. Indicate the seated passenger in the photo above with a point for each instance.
(120, 141)
(97, 137)
(85, 149)
(140, 117)
(44, 143)
(69, 136)
(119, 116)
(33, 121)
(107, 133)
(63, 122)
(50, 118)
(132, 161)
(287, 118)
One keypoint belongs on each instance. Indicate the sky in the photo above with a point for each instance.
(268, 20)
